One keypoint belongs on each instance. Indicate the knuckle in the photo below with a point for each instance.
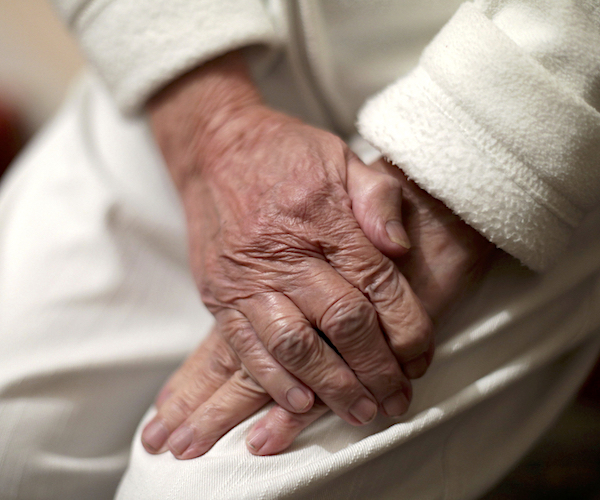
(214, 413)
(291, 344)
(241, 337)
(246, 382)
(348, 319)
(255, 241)
(382, 283)
(392, 184)
(223, 362)
(385, 186)
(206, 294)
(341, 384)
(306, 203)
(416, 338)
(422, 330)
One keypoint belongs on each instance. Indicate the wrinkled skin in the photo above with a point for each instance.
(281, 252)
(212, 391)
(277, 251)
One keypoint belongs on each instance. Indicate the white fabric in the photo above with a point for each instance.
(140, 46)
(501, 121)
(98, 306)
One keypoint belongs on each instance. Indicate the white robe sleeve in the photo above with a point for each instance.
(139, 46)
(500, 121)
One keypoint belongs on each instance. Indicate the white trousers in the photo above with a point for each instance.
(97, 307)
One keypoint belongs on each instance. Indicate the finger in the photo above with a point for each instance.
(278, 429)
(417, 367)
(284, 388)
(207, 369)
(234, 401)
(210, 365)
(376, 193)
(402, 317)
(351, 324)
(288, 335)
(377, 205)
(164, 394)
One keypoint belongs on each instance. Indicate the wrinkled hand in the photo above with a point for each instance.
(212, 394)
(448, 257)
(277, 251)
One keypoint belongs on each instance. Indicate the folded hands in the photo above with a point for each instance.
(299, 250)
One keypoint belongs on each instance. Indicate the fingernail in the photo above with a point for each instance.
(298, 399)
(180, 440)
(395, 405)
(154, 436)
(257, 438)
(396, 233)
(364, 410)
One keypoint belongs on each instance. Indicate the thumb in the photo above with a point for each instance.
(376, 197)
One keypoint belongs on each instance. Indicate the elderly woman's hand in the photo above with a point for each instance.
(277, 252)
(212, 392)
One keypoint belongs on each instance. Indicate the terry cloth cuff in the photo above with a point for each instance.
(138, 47)
(485, 128)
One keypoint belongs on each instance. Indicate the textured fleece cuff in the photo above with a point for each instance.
(486, 129)
(138, 47)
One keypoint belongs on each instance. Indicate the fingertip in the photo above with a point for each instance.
(300, 400)
(377, 205)
(397, 235)
(257, 439)
(180, 443)
(364, 411)
(387, 236)
(194, 451)
(154, 437)
(395, 405)
(417, 367)
(278, 429)
(263, 441)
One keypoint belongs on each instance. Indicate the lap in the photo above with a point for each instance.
(507, 363)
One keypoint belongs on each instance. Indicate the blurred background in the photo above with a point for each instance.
(38, 59)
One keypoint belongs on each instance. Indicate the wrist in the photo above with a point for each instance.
(186, 116)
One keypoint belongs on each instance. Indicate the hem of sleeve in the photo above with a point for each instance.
(139, 47)
(449, 156)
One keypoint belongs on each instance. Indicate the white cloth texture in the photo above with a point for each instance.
(140, 46)
(500, 119)
(98, 306)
